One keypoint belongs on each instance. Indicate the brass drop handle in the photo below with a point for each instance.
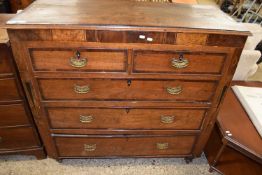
(174, 90)
(167, 119)
(89, 147)
(180, 63)
(77, 61)
(162, 146)
(81, 89)
(86, 118)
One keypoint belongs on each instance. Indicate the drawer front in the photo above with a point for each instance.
(8, 90)
(5, 60)
(86, 60)
(114, 89)
(124, 146)
(13, 115)
(130, 37)
(12, 138)
(94, 118)
(175, 62)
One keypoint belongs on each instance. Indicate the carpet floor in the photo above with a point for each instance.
(28, 165)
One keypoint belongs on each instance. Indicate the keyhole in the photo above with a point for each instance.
(77, 54)
(127, 110)
(129, 82)
(181, 56)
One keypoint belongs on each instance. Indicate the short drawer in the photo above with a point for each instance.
(124, 146)
(102, 118)
(5, 59)
(83, 60)
(8, 90)
(178, 62)
(13, 115)
(14, 138)
(115, 89)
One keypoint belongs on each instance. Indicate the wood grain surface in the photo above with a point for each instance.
(85, 13)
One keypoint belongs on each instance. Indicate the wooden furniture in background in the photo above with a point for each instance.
(146, 83)
(18, 134)
(235, 147)
(154, 1)
(19, 4)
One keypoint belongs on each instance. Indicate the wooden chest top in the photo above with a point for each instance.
(121, 14)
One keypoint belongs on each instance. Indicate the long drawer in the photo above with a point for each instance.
(102, 118)
(121, 89)
(13, 115)
(123, 146)
(178, 62)
(8, 90)
(16, 138)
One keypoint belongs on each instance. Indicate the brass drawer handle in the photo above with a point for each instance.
(162, 146)
(180, 63)
(89, 147)
(167, 119)
(77, 61)
(81, 89)
(174, 90)
(86, 119)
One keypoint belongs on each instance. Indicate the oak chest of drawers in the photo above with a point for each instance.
(18, 134)
(140, 80)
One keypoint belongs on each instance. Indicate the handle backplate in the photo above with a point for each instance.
(78, 62)
(162, 146)
(180, 63)
(81, 89)
(174, 90)
(167, 119)
(86, 118)
(89, 147)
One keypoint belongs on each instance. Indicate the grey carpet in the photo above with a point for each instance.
(28, 165)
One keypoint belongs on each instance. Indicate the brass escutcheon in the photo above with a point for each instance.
(77, 62)
(180, 63)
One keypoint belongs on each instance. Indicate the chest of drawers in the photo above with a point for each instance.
(18, 134)
(142, 80)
